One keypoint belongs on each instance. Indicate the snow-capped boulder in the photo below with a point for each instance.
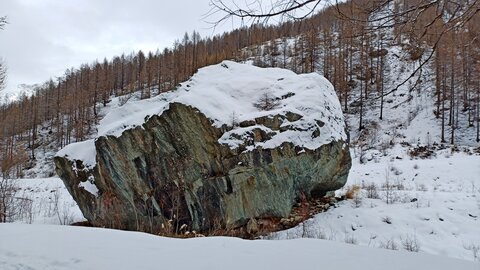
(233, 143)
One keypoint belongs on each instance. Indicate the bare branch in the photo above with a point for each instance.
(3, 75)
(3, 69)
(256, 12)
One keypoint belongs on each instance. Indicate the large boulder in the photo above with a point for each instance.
(234, 143)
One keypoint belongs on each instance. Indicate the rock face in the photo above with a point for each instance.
(177, 169)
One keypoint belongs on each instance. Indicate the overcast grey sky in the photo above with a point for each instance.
(45, 37)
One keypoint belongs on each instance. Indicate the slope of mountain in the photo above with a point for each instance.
(23, 90)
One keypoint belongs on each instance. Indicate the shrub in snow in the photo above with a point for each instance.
(395, 170)
(14, 206)
(389, 244)
(387, 219)
(422, 187)
(372, 190)
(267, 102)
(388, 190)
(234, 120)
(410, 243)
(357, 200)
(350, 239)
(475, 249)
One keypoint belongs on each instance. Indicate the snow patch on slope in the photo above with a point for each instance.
(23, 90)
(44, 201)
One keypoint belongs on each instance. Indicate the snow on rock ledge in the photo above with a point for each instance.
(233, 143)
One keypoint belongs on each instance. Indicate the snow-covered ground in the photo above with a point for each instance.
(433, 205)
(45, 201)
(433, 208)
(52, 247)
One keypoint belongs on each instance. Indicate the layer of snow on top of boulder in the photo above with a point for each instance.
(231, 93)
(84, 151)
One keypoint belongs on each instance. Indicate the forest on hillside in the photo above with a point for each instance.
(346, 42)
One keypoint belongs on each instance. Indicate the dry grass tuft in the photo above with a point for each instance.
(352, 192)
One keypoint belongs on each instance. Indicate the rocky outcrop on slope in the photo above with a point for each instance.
(183, 166)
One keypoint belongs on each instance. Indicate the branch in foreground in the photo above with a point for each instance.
(256, 12)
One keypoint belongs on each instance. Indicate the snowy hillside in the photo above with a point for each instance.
(44, 201)
(421, 205)
(11, 95)
(24, 247)
(410, 103)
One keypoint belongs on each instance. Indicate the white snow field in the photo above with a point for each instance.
(37, 247)
(433, 206)
(50, 202)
